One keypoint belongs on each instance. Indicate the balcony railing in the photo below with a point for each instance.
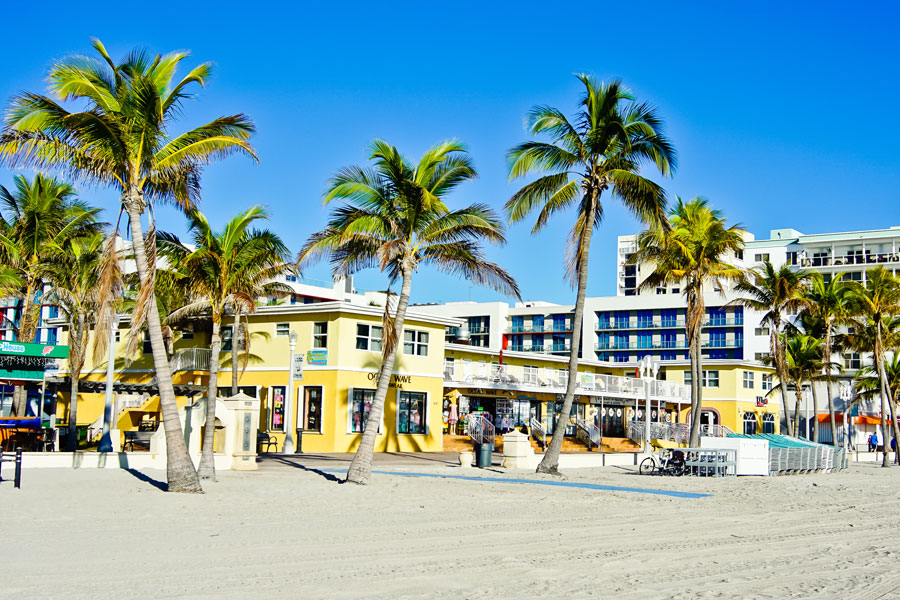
(850, 259)
(677, 345)
(547, 328)
(548, 349)
(191, 359)
(555, 381)
(666, 324)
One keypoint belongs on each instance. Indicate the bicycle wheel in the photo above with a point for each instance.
(647, 466)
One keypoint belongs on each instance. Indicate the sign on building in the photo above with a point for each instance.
(318, 357)
(21, 361)
(298, 366)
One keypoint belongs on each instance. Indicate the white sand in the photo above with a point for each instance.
(292, 533)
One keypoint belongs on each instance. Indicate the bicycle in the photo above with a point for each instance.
(667, 462)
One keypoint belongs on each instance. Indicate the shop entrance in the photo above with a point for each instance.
(612, 421)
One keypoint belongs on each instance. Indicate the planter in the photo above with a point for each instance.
(466, 459)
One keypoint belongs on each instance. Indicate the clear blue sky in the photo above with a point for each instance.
(783, 114)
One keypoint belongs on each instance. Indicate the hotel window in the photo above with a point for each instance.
(716, 316)
(51, 336)
(852, 361)
(711, 379)
(320, 334)
(411, 412)
(739, 254)
(537, 323)
(622, 319)
(621, 341)
(766, 382)
(415, 343)
(669, 318)
(368, 337)
(312, 409)
(282, 329)
(760, 258)
(645, 319)
(518, 324)
(621, 358)
(559, 342)
(603, 320)
(644, 340)
(749, 380)
(668, 356)
(537, 342)
(660, 291)
(276, 408)
(760, 356)
(531, 374)
(688, 378)
(669, 339)
(559, 323)
(761, 331)
(360, 405)
(717, 339)
(562, 377)
(768, 423)
(147, 347)
(226, 339)
(53, 311)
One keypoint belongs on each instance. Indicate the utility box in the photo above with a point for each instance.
(752, 454)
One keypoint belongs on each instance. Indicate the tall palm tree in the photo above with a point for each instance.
(602, 150)
(874, 303)
(75, 278)
(225, 269)
(394, 217)
(828, 303)
(692, 251)
(774, 292)
(119, 134)
(869, 384)
(36, 218)
(803, 365)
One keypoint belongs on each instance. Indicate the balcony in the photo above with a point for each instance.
(548, 328)
(677, 345)
(667, 324)
(535, 379)
(191, 359)
(869, 258)
(548, 349)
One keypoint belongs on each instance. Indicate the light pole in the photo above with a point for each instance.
(105, 441)
(288, 447)
(649, 369)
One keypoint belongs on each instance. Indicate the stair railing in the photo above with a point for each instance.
(538, 432)
(481, 430)
(588, 432)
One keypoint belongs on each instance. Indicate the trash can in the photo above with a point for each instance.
(483, 455)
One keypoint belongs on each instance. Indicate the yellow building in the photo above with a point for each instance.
(341, 347)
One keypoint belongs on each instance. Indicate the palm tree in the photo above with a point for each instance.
(868, 383)
(827, 303)
(75, 278)
(603, 150)
(803, 365)
(394, 216)
(37, 218)
(224, 269)
(119, 135)
(692, 251)
(774, 292)
(877, 301)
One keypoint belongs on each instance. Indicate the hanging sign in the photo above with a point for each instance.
(317, 357)
(297, 367)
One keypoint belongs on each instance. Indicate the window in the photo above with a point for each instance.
(360, 406)
(312, 409)
(760, 356)
(761, 331)
(644, 340)
(645, 319)
(415, 343)
(669, 339)
(276, 408)
(768, 423)
(537, 342)
(749, 380)
(537, 322)
(688, 378)
(852, 361)
(711, 379)
(411, 412)
(559, 323)
(669, 318)
(290, 278)
(620, 358)
(531, 374)
(51, 336)
(118, 335)
(226, 339)
(622, 319)
(368, 337)
(282, 329)
(760, 257)
(766, 382)
(188, 333)
(717, 339)
(676, 290)
(621, 341)
(53, 311)
(739, 254)
(320, 335)
(660, 290)
(749, 423)
(716, 316)
(560, 342)
(147, 347)
(668, 356)
(518, 324)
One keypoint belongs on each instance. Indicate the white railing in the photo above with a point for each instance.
(538, 432)
(679, 433)
(191, 359)
(480, 429)
(589, 432)
(555, 380)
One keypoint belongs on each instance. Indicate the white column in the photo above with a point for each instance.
(288, 446)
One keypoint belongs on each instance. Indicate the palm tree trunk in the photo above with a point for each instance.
(76, 360)
(207, 468)
(25, 334)
(235, 343)
(798, 393)
(361, 466)
(831, 418)
(815, 416)
(550, 462)
(180, 472)
(882, 382)
(775, 346)
(695, 311)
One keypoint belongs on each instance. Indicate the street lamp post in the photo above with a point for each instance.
(649, 369)
(105, 440)
(288, 447)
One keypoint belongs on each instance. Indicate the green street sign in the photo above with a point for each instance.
(20, 361)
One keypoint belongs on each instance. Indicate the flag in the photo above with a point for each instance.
(503, 346)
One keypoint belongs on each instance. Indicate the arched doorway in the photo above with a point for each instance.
(749, 423)
(709, 417)
(768, 423)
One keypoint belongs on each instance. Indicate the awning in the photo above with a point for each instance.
(124, 387)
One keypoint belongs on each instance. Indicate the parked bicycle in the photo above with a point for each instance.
(667, 462)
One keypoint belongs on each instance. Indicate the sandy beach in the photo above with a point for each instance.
(287, 530)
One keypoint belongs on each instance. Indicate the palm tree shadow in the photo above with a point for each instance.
(328, 476)
(123, 465)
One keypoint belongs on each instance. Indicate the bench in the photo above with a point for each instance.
(16, 458)
(141, 438)
(264, 439)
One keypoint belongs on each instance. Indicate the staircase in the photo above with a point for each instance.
(611, 444)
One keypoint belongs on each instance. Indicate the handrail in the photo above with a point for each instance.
(538, 432)
(480, 429)
(191, 359)
(590, 430)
